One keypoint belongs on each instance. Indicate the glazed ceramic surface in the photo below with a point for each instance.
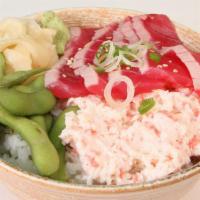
(31, 187)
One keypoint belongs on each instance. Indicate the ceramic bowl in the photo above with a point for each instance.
(31, 187)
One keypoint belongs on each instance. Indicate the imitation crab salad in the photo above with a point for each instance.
(112, 105)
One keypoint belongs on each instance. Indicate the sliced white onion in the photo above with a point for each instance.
(118, 59)
(127, 62)
(115, 64)
(141, 55)
(108, 91)
(136, 44)
(113, 74)
(112, 63)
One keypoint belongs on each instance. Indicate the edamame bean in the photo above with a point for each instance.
(61, 173)
(25, 101)
(2, 65)
(56, 130)
(44, 153)
(59, 125)
(48, 121)
(38, 83)
(45, 121)
(40, 119)
(19, 77)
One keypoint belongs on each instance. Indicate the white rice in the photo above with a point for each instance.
(113, 146)
(16, 151)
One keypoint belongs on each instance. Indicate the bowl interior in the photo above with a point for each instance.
(97, 17)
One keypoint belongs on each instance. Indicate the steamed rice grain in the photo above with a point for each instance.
(16, 151)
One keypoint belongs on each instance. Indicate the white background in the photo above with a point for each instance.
(186, 12)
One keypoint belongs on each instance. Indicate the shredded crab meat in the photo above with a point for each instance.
(153, 145)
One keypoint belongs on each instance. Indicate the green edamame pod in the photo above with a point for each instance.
(56, 130)
(61, 174)
(40, 119)
(59, 125)
(23, 89)
(45, 121)
(48, 122)
(19, 77)
(44, 153)
(25, 101)
(38, 83)
(2, 65)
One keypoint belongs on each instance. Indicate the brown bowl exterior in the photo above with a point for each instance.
(32, 187)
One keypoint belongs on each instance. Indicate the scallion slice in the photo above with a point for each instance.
(155, 57)
(146, 105)
(111, 56)
(99, 70)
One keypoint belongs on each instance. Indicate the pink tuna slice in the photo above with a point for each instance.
(173, 72)
(189, 59)
(125, 34)
(156, 28)
(61, 80)
(86, 56)
(169, 74)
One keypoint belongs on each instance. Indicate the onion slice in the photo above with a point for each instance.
(108, 91)
(114, 65)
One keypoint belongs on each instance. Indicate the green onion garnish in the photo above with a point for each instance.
(99, 70)
(155, 57)
(117, 49)
(125, 48)
(146, 105)
(103, 52)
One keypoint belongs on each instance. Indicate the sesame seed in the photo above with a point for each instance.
(152, 17)
(170, 61)
(69, 62)
(128, 68)
(165, 65)
(64, 75)
(79, 49)
(175, 70)
(159, 66)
